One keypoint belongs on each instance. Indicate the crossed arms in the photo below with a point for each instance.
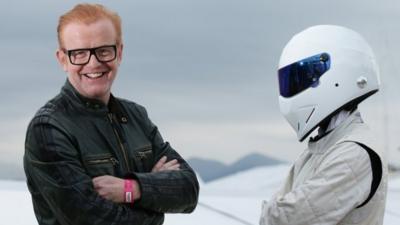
(62, 189)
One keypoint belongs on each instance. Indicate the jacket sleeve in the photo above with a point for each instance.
(53, 166)
(339, 184)
(166, 191)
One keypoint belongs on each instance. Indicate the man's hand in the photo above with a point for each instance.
(112, 188)
(163, 165)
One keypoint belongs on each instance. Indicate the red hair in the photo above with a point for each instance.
(87, 14)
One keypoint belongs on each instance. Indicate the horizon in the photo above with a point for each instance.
(10, 171)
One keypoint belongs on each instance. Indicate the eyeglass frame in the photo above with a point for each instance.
(92, 51)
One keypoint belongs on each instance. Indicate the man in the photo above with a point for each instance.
(324, 73)
(92, 158)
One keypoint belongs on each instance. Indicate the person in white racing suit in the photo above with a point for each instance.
(324, 72)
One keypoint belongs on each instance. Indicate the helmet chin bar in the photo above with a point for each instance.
(350, 106)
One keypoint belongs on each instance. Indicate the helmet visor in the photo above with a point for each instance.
(302, 74)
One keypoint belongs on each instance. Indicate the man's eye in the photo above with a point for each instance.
(104, 52)
(79, 54)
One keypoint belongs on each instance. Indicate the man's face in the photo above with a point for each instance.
(94, 79)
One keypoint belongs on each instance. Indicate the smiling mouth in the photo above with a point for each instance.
(94, 75)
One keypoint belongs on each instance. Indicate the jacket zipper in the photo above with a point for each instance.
(110, 116)
(143, 155)
(111, 160)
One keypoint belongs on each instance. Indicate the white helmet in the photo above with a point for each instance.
(322, 70)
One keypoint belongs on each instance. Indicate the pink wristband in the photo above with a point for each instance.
(128, 191)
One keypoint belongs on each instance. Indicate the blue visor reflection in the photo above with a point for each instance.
(303, 74)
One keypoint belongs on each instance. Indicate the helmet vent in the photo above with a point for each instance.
(362, 82)
(309, 116)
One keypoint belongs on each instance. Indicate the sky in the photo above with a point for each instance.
(205, 70)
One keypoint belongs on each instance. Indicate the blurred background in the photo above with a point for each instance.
(206, 72)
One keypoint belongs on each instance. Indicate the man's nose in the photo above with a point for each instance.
(93, 61)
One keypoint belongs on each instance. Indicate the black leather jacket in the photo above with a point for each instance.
(72, 140)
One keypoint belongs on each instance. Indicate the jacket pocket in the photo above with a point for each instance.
(102, 164)
(144, 158)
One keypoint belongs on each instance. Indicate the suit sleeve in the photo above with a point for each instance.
(339, 184)
(53, 166)
(166, 191)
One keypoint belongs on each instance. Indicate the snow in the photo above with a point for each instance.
(15, 205)
(232, 200)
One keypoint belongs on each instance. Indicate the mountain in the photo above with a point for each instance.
(208, 169)
(212, 169)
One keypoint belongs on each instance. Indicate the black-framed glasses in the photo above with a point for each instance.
(81, 56)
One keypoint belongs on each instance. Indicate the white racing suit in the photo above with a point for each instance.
(331, 182)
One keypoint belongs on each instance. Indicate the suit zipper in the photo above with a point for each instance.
(120, 143)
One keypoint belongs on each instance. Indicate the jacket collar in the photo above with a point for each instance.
(85, 102)
(321, 145)
(94, 106)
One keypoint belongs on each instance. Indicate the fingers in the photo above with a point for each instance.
(109, 187)
(97, 182)
(170, 163)
(159, 164)
(101, 181)
(163, 165)
(174, 167)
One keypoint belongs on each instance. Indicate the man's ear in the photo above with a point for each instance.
(62, 59)
(119, 53)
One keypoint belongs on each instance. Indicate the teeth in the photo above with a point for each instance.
(94, 75)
